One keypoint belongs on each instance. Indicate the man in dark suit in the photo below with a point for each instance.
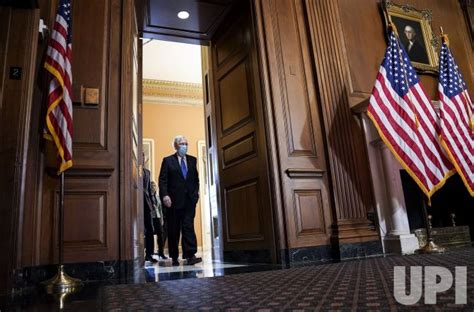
(148, 212)
(179, 192)
(415, 49)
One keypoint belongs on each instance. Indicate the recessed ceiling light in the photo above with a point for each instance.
(183, 15)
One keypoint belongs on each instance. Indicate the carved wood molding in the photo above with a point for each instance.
(294, 173)
(294, 115)
(82, 172)
(172, 92)
(90, 172)
(332, 80)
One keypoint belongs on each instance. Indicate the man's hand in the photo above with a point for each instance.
(167, 201)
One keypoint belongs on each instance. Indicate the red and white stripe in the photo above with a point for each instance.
(413, 140)
(457, 135)
(59, 120)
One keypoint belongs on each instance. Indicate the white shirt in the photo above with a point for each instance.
(179, 161)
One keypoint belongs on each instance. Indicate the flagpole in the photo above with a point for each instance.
(61, 283)
(61, 218)
(430, 246)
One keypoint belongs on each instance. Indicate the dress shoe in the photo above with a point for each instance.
(193, 260)
(175, 262)
(162, 256)
(151, 259)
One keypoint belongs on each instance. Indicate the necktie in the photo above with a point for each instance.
(184, 170)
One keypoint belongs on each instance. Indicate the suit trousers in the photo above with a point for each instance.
(160, 231)
(181, 221)
(148, 233)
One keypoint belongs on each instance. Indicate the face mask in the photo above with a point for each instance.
(182, 150)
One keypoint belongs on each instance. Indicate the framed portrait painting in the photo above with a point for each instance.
(149, 156)
(416, 35)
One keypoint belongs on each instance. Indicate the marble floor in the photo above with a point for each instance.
(163, 270)
(88, 297)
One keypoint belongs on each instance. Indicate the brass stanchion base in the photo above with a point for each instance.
(430, 248)
(62, 283)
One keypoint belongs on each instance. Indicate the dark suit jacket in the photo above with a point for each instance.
(147, 201)
(173, 184)
(417, 53)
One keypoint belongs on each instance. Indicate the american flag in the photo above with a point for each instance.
(456, 117)
(59, 127)
(406, 120)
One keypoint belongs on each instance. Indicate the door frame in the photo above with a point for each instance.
(273, 169)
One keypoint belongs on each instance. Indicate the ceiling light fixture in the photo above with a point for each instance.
(183, 15)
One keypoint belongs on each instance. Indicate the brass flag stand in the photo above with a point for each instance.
(430, 246)
(61, 283)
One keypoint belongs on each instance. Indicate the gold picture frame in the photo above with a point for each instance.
(149, 157)
(416, 34)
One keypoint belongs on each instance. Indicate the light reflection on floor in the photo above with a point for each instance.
(163, 270)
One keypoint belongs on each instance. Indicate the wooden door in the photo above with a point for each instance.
(18, 46)
(211, 144)
(245, 201)
(136, 152)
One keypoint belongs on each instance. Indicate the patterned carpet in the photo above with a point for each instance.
(364, 285)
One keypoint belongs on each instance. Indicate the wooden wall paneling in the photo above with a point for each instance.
(348, 164)
(364, 42)
(6, 212)
(127, 183)
(309, 212)
(33, 210)
(35, 168)
(131, 234)
(4, 36)
(96, 64)
(90, 47)
(361, 44)
(89, 231)
(18, 43)
(48, 243)
(48, 11)
(468, 8)
(301, 151)
(33, 229)
(86, 208)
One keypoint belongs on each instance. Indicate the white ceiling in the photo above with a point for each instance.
(163, 60)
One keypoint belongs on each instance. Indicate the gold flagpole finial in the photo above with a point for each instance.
(444, 36)
(391, 26)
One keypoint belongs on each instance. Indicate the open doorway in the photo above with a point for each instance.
(239, 191)
(173, 104)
